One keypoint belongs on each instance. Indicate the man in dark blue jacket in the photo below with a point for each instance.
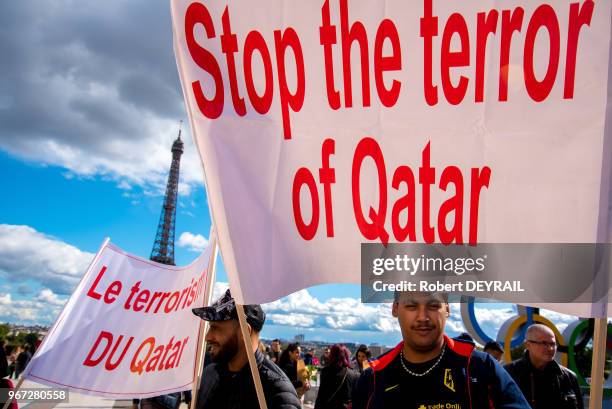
(428, 370)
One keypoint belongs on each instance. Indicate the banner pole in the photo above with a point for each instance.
(208, 292)
(17, 387)
(604, 235)
(252, 363)
(598, 362)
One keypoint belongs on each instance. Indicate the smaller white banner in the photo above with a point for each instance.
(127, 330)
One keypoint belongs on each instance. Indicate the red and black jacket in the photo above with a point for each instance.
(469, 378)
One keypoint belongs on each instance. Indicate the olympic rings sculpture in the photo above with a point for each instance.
(512, 334)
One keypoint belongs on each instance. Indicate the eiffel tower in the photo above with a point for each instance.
(163, 247)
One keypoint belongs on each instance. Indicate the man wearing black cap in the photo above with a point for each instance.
(227, 382)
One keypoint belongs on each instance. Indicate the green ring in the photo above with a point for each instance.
(572, 357)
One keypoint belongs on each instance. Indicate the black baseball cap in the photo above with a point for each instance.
(224, 309)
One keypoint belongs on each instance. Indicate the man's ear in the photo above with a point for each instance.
(447, 308)
(394, 309)
(249, 328)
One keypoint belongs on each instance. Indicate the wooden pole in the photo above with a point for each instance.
(252, 363)
(241, 317)
(598, 363)
(208, 291)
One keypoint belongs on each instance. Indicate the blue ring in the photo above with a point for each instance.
(517, 341)
(471, 313)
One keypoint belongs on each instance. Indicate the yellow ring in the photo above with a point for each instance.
(522, 319)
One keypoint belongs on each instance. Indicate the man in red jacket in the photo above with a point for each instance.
(429, 370)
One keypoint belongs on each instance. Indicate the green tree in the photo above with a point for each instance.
(20, 338)
(31, 338)
(4, 331)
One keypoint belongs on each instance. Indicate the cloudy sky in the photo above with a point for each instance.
(90, 103)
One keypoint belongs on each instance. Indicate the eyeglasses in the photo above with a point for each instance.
(544, 343)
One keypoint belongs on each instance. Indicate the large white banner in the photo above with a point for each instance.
(325, 124)
(127, 330)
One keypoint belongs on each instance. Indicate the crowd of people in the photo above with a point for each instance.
(336, 366)
(14, 359)
(427, 369)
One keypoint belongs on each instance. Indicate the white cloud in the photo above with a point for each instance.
(124, 185)
(560, 320)
(454, 325)
(76, 95)
(493, 318)
(43, 309)
(49, 297)
(28, 254)
(294, 320)
(303, 310)
(193, 242)
(218, 290)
